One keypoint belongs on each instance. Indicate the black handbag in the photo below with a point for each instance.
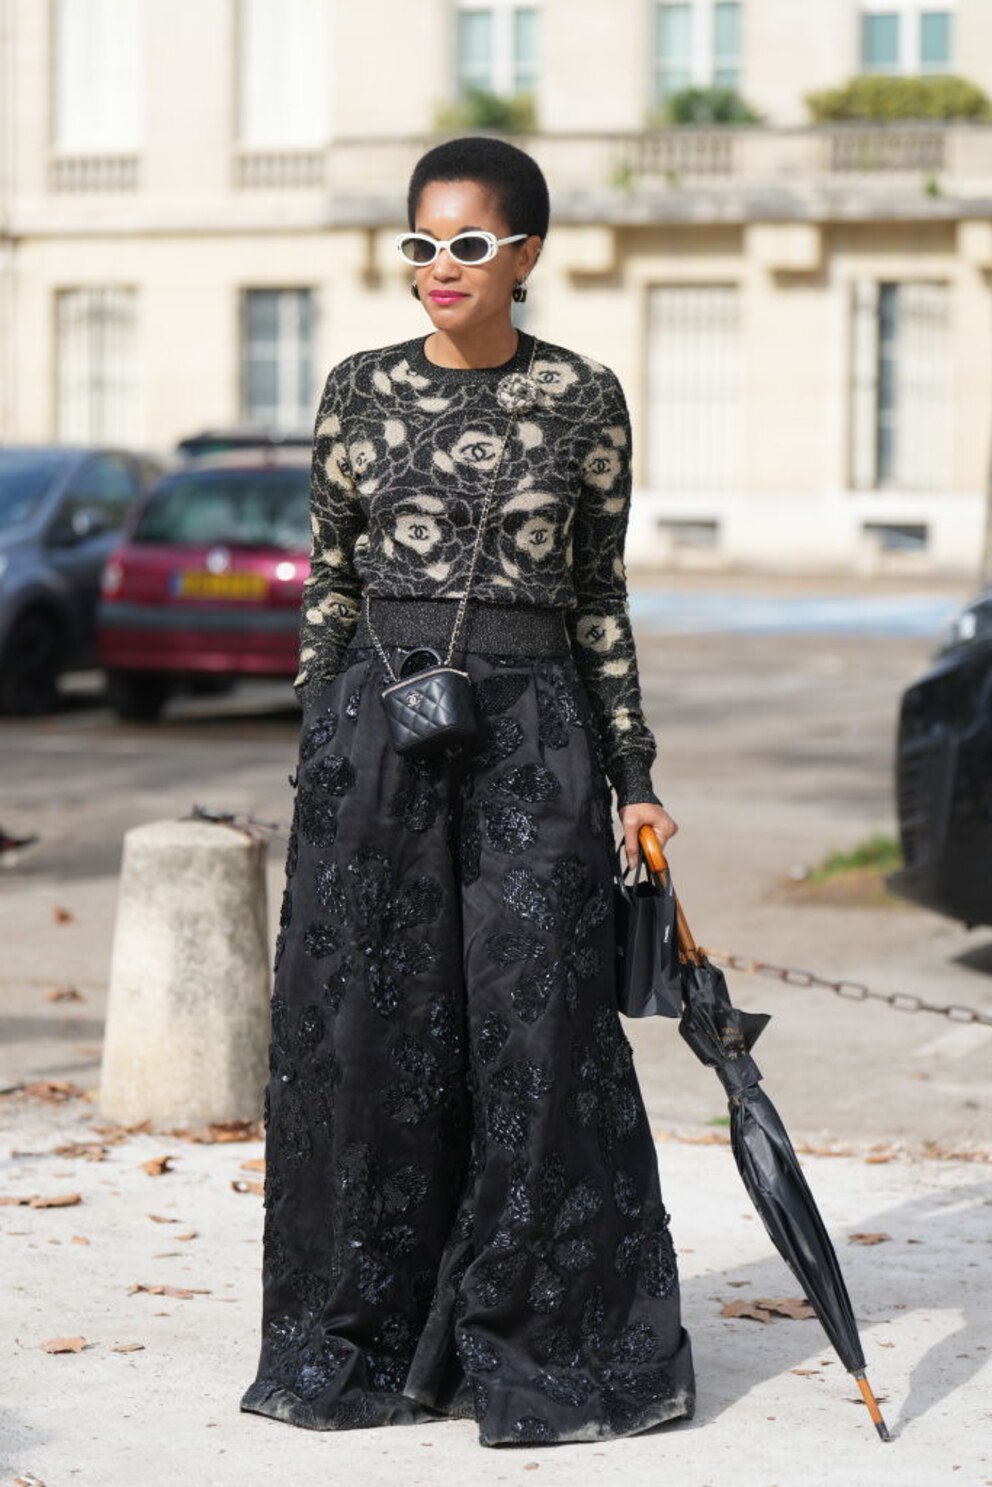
(431, 707)
(649, 981)
(427, 709)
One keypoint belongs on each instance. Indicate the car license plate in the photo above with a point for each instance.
(196, 584)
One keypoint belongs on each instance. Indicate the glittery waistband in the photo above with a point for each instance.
(506, 629)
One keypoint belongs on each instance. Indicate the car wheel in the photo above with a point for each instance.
(29, 668)
(138, 696)
(210, 686)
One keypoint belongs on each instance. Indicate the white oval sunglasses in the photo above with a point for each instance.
(467, 247)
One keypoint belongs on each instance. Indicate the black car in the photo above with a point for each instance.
(61, 512)
(944, 774)
(242, 437)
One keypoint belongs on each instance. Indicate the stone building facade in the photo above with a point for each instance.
(198, 200)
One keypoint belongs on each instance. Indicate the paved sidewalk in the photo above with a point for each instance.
(775, 1408)
(773, 751)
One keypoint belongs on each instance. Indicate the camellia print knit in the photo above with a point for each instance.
(403, 456)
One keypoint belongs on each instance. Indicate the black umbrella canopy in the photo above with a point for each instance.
(722, 1036)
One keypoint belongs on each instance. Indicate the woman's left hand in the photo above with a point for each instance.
(633, 817)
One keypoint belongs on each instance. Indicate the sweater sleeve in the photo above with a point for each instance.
(600, 624)
(332, 592)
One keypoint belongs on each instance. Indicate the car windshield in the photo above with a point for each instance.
(262, 509)
(25, 476)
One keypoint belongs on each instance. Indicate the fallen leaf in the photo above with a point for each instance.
(764, 1308)
(254, 1164)
(64, 994)
(220, 1131)
(117, 1133)
(129, 1347)
(54, 1090)
(28, 1480)
(877, 1157)
(155, 1166)
(59, 1200)
(62, 916)
(886, 1344)
(868, 1238)
(804, 1372)
(90, 1151)
(241, 1185)
(190, 1234)
(79, 1239)
(744, 1309)
(63, 1345)
(184, 1293)
(160, 1218)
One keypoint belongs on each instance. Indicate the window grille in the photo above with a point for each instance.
(96, 334)
(694, 388)
(900, 386)
(277, 357)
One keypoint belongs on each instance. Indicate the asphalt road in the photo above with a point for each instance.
(775, 746)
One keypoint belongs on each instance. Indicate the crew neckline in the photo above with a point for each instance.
(519, 360)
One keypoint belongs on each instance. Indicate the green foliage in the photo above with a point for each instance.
(885, 100)
(480, 109)
(703, 106)
(880, 851)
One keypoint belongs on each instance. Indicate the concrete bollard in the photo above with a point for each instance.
(186, 1038)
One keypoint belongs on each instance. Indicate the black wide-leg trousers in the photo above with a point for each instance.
(463, 1214)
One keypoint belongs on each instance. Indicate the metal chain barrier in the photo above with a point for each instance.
(850, 991)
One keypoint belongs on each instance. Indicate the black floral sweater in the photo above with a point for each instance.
(403, 456)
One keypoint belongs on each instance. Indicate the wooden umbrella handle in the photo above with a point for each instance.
(658, 863)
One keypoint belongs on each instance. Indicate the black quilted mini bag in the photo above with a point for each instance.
(429, 708)
(433, 706)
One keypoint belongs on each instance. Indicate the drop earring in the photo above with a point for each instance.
(519, 291)
(414, 291)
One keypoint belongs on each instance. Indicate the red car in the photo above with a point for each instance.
(207, 583)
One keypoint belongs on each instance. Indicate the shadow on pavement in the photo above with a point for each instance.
(885, 1281)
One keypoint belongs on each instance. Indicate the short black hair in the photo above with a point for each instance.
(513, 176)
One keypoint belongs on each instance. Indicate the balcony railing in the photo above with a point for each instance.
(88, 173)
(896, 158)
(279, 170)
(362, 180)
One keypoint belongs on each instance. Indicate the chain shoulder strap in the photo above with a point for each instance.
(476, 549)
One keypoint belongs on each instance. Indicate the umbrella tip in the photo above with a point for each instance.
(873, 1409)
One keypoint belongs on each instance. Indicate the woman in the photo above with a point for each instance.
(462, 1208)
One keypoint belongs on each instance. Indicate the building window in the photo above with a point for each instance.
(901, 386)
(697, 43)
(694, 388)
(905, 37)
(497, 47)
(97, 76)
(284, 63)
(935, 41)
(726, 45)
(277, 328)
(673, 50)
(96, 336)
(880, 43)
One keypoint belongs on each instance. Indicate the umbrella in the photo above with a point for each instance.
(722, 1036)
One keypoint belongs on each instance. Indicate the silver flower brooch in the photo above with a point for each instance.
(518, 393)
